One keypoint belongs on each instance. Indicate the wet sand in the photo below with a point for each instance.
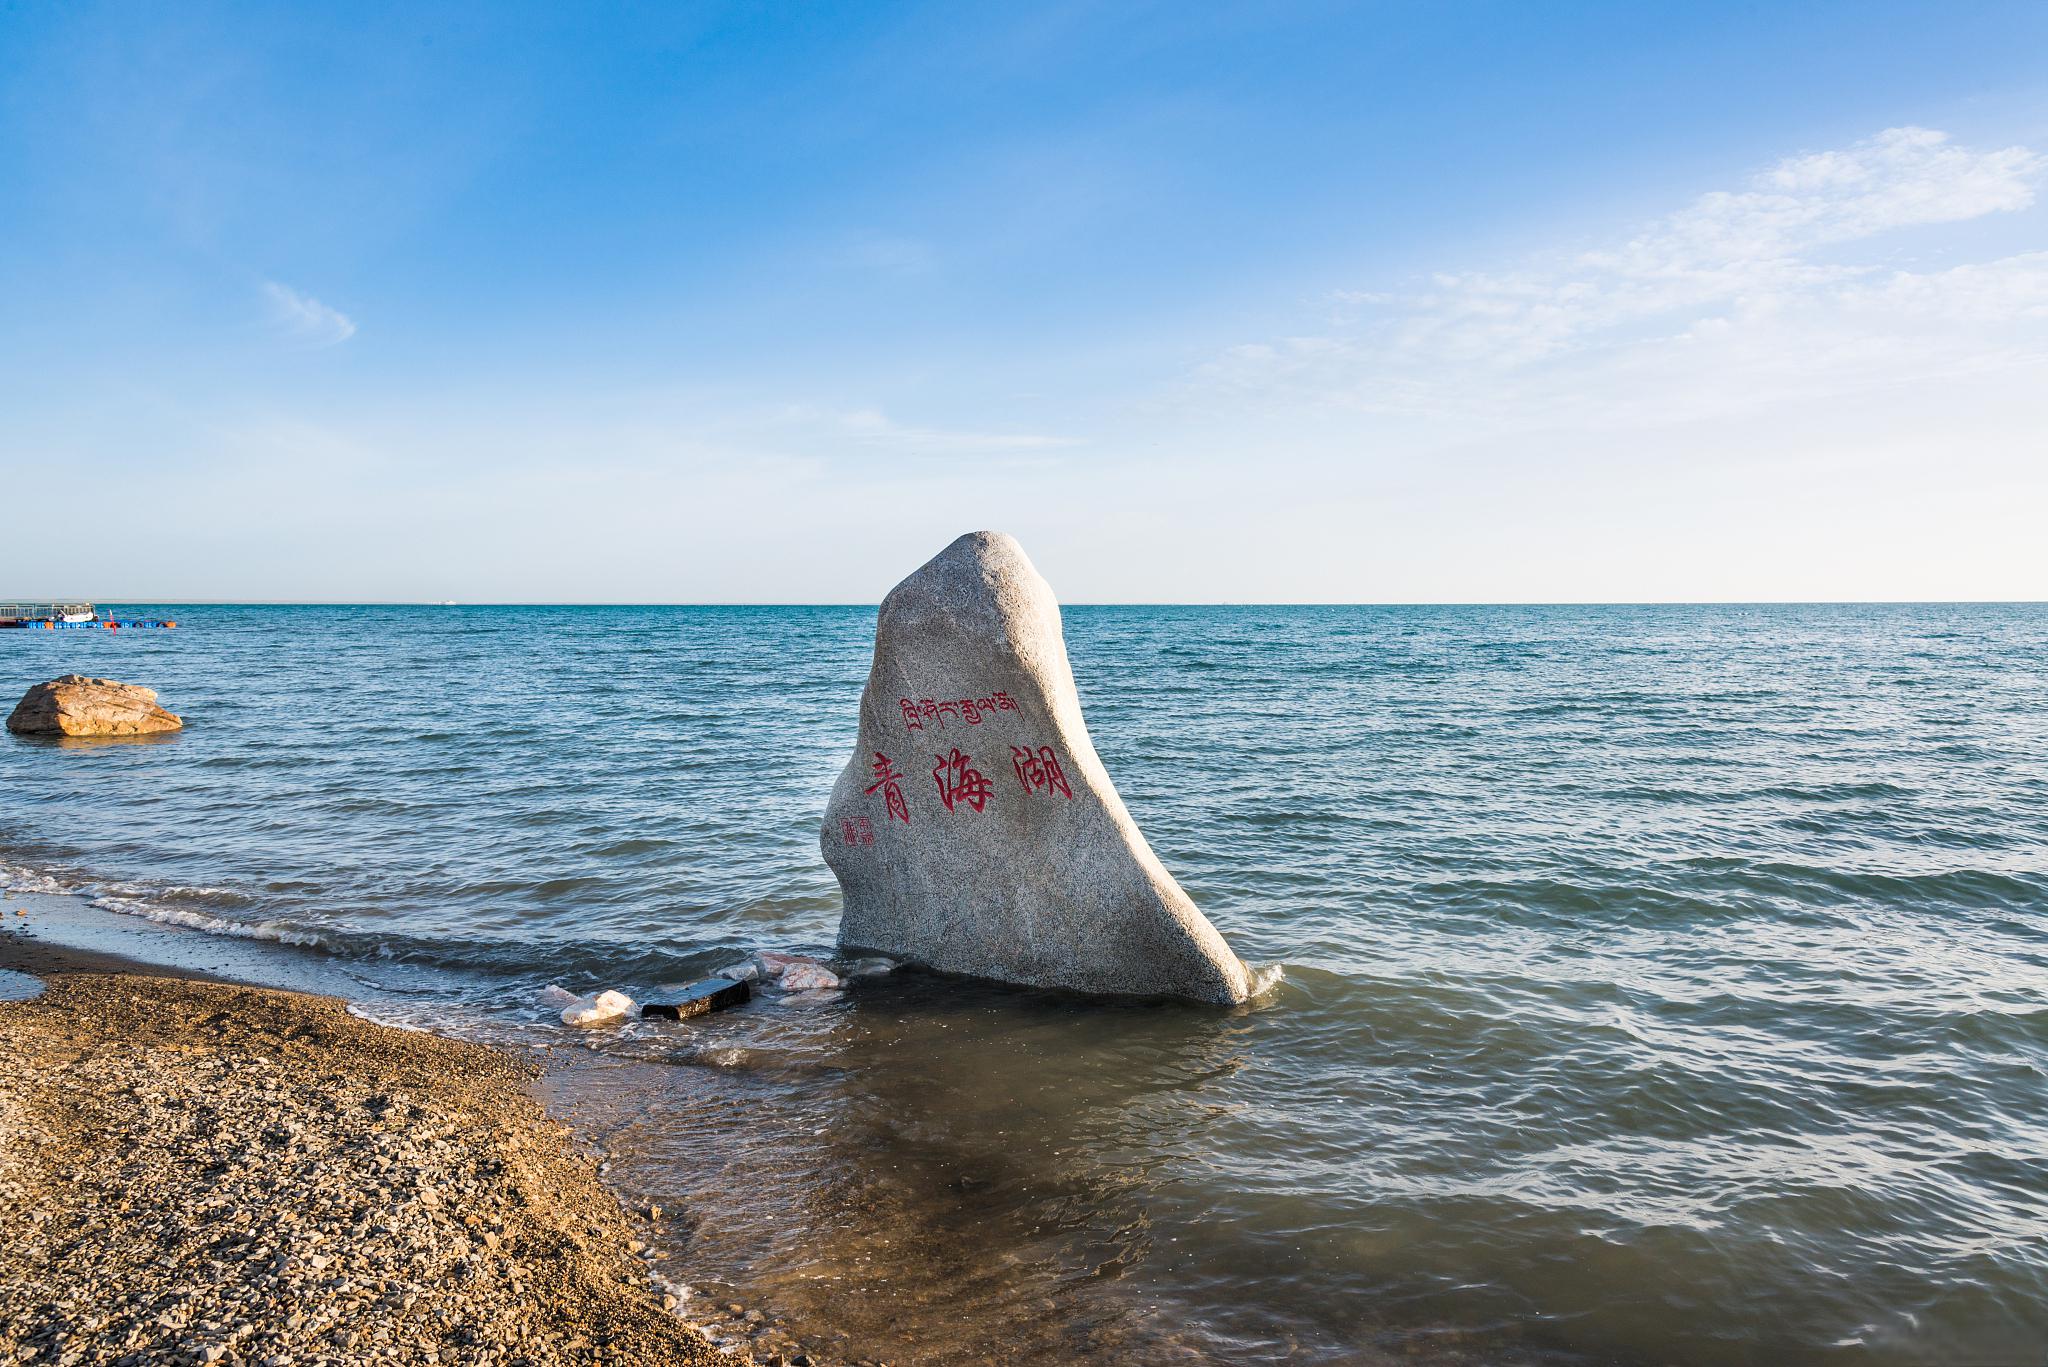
(194, 1171)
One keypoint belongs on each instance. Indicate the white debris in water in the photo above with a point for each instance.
(607, 1006)
(745, 971)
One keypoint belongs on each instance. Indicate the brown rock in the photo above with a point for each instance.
(78, 706)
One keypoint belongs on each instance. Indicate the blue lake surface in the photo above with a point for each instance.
(1656, 984)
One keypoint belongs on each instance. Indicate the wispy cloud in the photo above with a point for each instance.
(872, 428)
(304, 319)
(1743, 296)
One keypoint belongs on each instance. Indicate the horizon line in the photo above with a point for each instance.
(1116, 603)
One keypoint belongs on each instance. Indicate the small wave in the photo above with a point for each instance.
(640, 845)
(15, 878)
(420, 1022)
(151, 903)
(211, 925)
(1266, 979)
(21, 878)
(174, 892)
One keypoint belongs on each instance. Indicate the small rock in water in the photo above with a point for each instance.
(794, 973)
(713, 994)
(808, 977)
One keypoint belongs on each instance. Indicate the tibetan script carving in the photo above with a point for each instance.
(973, 711)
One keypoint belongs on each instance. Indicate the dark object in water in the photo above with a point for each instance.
(713, 994)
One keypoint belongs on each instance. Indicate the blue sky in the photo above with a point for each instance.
(1279, 302)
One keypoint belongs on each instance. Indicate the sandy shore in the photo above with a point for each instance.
(197, 1172)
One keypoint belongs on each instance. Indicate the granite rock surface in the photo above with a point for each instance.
(975, 830)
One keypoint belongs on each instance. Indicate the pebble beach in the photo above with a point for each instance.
(198, 1172)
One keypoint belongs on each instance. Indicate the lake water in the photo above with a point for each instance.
(1656, 985)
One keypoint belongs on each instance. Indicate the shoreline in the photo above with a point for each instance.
(40, 959)
(196, 1170)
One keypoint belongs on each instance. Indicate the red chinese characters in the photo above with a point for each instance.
(891, 784)
(973, 711)
(1039, 769)
(960, 782)
(856, 831)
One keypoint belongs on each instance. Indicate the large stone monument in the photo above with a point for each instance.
(974, 830)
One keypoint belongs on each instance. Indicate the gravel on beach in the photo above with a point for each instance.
(193, 1172)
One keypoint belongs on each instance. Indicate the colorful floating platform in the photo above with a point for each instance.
(107, 625)
(68, 617)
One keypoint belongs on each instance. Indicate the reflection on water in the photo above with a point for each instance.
(15, 987)
(97, 742)
(927, 1145)
(936, 1172)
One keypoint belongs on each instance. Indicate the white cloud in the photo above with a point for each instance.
(1740, 298)
(872, 428)
(305, 319)
(2010, 289)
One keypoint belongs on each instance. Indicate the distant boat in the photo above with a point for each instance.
(36, 614)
